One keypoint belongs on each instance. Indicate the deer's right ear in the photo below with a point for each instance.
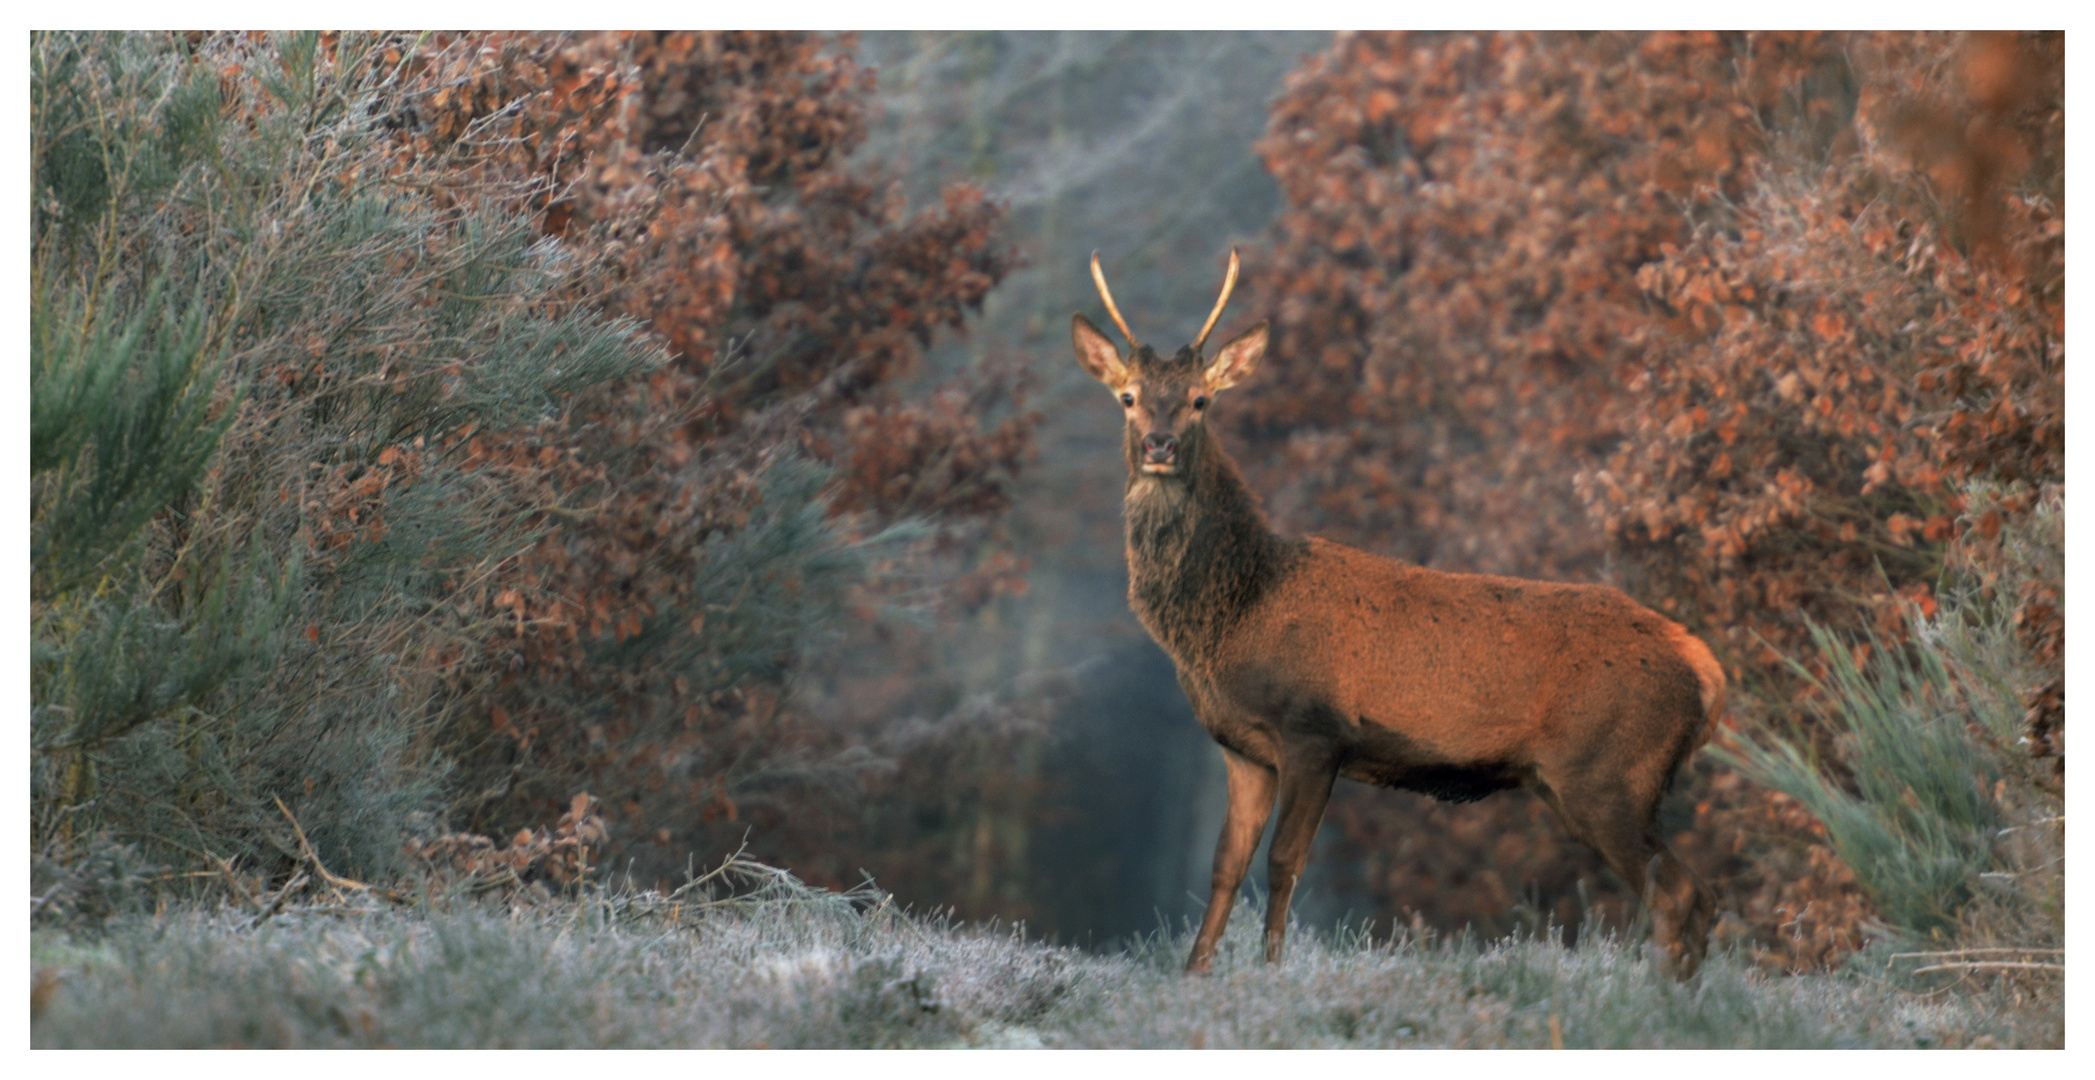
(1236, 361)
(1097, 354)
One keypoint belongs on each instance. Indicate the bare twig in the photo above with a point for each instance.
(695, 128)
(225, 867)
(306, 848)
(1990, 965)
(2059, 820)
(1951, 961)
(38, 903)
(1992, 951)
(276, 901)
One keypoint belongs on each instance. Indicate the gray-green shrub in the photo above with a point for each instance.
(1927, 798)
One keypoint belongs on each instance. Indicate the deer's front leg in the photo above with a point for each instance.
(1306, 775)
(1250, 803)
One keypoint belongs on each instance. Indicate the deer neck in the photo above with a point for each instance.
(1199, 552)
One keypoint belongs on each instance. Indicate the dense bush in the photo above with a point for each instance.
(432, 428)
(254, 343)
(642, 649)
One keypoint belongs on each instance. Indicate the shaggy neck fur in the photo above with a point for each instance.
(1199, 550)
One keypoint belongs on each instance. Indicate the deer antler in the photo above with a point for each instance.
(1229, 282)
(1099, 276)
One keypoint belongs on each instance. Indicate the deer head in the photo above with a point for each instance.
(1166, 401)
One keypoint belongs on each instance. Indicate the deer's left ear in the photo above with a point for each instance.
(1235, 361)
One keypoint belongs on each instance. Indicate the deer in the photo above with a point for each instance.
(1308, 660)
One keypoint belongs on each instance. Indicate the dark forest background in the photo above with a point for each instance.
(523, 453)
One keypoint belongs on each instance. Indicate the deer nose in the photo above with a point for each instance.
(1160, 445)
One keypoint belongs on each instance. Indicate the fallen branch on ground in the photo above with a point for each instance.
(1990, 951)
(1990, 965)
(312, 857)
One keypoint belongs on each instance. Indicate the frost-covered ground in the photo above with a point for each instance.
(803, 968)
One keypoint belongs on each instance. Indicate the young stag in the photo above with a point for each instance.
(1308, 660)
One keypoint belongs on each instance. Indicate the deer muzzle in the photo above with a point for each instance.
(1159, 450)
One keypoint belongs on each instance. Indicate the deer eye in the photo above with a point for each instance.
(1127, 398)
(1200, 402)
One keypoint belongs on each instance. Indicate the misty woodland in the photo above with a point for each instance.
(599, 539)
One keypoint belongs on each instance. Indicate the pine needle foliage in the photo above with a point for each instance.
(121, 425)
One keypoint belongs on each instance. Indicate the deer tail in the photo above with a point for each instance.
(1708, 674)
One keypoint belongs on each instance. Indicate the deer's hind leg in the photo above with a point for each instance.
(1306, 775)
(1618, 818)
